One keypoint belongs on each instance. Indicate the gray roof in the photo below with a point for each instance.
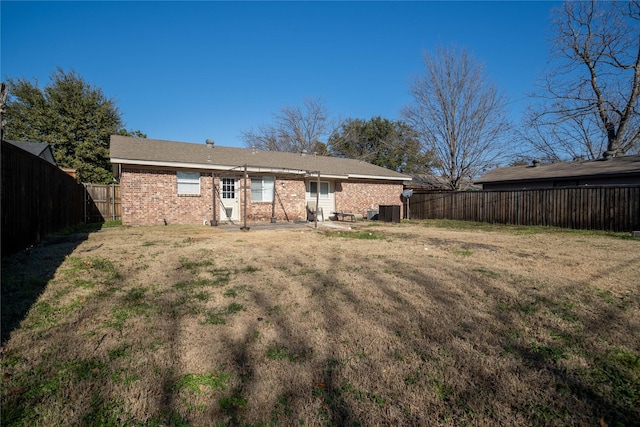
(617, 166)
(39, 149)
(154, 152)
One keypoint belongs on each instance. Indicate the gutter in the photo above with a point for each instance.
(387, 178)
(202, 166)
(252, 169)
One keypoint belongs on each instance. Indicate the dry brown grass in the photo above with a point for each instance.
(405, 325)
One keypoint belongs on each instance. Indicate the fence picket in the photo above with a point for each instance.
(601, 208)
(102, 202)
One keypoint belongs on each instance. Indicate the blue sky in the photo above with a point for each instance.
(188, 71)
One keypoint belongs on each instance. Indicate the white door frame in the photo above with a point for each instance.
(230, 198)
(327, 204)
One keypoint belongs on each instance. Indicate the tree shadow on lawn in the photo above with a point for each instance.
(604, 393)
(344, 381)
(26, 274)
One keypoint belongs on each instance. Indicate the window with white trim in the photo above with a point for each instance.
(188, 183)
(262, 188)
(324, 189)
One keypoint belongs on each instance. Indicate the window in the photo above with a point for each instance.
(324, 189)
(228, 188)
(189, 183)
(262, 188)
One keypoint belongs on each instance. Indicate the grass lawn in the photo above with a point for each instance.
(419, 323)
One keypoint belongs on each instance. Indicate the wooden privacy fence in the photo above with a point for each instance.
(101, 203)
(591, 208)
(37, 199)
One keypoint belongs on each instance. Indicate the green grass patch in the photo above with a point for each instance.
(135, 296)
(230, 293)
(219, 316)
(106, 412)
(250, 269)
(74, 265)
(134, 304)
(362, 235)
(84, 284)
(617, 374)
(606, 296)
(463, 252)
(357, 394)
(45, 315)
(200, 383)
(487, 272)
(552, 352)
(281, 352)
(118, 352)
(232, 404)
(193, 266)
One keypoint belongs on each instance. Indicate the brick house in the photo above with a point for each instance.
(184, 183)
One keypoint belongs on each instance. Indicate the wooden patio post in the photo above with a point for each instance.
(245, 228)
(317, 200)
(214, 221)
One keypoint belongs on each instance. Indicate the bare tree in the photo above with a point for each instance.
(294, 129)
(589, 98)
(459, 115)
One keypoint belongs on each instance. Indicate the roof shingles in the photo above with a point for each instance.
(576, 169)
(127, 150)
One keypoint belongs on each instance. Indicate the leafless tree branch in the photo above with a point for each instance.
(459, 114)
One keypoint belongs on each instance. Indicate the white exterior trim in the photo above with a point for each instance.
(251, 169)
(388, 178)
(201, 166)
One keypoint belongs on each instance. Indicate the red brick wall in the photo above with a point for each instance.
(292, 195)
(358, 197)
(150, 197)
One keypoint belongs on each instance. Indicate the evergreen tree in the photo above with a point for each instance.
(70, 114)
(382, 142)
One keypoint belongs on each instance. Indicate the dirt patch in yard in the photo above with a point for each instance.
(398, 324)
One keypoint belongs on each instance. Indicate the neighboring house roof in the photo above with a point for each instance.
(154, 152)
(616, 166)
(39, 149)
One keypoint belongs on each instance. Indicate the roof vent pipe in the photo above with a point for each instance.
(536, 163)
(209, 143)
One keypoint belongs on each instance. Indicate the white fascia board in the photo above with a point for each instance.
(387, 178)
(255, 169)
(170, 164)
(224, 168)
(325, 176)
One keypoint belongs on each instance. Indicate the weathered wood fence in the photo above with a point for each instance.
(37, 199)
(591, 208)
(102, 203)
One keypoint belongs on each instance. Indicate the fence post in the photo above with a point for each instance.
(113, 202)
